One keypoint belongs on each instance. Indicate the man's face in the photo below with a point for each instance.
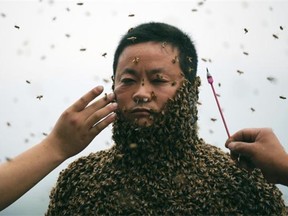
(147, 75)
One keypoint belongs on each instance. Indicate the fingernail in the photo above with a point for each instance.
(99, 88)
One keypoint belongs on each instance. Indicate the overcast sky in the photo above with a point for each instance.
(40, 55)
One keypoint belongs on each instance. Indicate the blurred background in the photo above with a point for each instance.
(52, 52)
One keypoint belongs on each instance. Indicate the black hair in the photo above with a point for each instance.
(163, 33)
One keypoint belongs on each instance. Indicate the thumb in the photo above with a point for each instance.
(240, 148)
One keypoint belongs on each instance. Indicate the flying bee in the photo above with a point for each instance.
(271, 79)
(282, 97)
(106, 80)
(44, 134)
(17, 27)
(281, 28)
(67, 35)
(104, 54)
(80, 3)
(27, 81)
(275, 36)
(245, 30)
(194, 10)
(213, 119)
(131, 15)
(39, 97)
(203, 59)
(83, 49)
(8, 124)
(240, 72)
(252, 109)
(245, 53)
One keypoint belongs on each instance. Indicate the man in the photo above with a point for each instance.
(159, 165)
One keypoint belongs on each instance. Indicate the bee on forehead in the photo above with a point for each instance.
(3, 15)
(173, 83)
(164, 44)
(136, 60)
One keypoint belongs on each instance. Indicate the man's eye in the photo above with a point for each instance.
(159, 80)
(127, 80)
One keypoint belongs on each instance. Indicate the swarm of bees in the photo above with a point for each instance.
(163, 169)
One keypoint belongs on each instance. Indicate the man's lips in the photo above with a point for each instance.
(141, 111)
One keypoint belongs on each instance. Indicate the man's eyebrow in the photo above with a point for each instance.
(129, 71)
(155, 71)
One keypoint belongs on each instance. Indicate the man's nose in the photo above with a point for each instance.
(143, 93)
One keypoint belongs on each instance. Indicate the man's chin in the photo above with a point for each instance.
(143, 121)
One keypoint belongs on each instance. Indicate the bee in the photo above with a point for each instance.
(39, 97)
(106, 97)
(245, 30)
(203, 59)
(136, 60)
(54, 18)
(219, 84)
(131, 29)
(240, 72)
(282, 97)
(83, 49)
(164, 44)
(44, 134)
(213, 119)
(199, 103)
(153, 96)
(80, 3)
(189, 59)
(27, 81)
(252, 109)
(194, 10)
(106, 80)
(132, 38)
(8, 159)
(142, 82)
(175, 59)
(104, 54)
(131, 15)
(245, 53)
(173, 83)
(8, 124)
(67, 35)
(271, 79)
(3, 15)
(68, 9)
(275, 36)
(17, 27)
(281, 28)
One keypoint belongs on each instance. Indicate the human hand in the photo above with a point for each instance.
(80, 123)
(260, 148)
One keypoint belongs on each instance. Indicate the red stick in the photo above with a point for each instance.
(210, 81)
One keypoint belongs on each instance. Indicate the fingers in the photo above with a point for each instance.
(94, 119)
(80, 104)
